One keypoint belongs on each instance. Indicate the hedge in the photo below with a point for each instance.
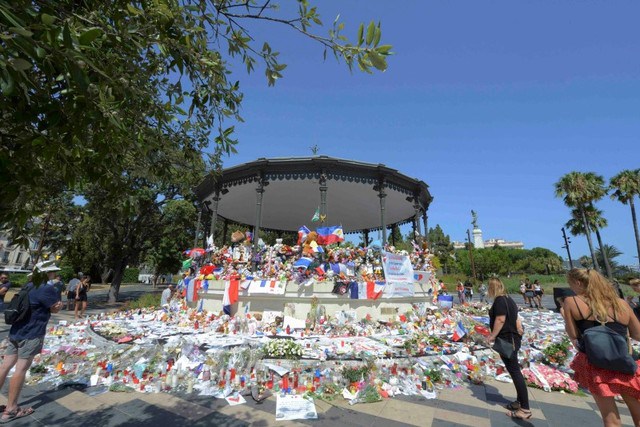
(130, 275)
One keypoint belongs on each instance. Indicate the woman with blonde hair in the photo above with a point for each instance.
(506, 326)
(596, 302)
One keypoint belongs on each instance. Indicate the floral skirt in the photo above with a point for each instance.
(603, 382)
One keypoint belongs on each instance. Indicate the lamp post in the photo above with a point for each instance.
(566, 246)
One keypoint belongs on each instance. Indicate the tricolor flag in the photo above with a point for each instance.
(459, 332)
(366, 290)
(321, 270)
(330, 235)
(230, 294)
(303, 232)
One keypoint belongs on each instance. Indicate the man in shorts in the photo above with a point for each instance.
(25, 340)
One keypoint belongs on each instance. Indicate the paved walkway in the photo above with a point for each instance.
(471, 405)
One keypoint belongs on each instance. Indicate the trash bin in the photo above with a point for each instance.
(445, 301)
(561, 293)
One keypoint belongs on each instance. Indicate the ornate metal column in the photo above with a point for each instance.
(426, 230)
(225, 228)
(256, 229)
(195, 239)
(416, 217)
(323, 197)
(214, 214)
(382, 195)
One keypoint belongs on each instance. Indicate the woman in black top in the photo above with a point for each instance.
(81, 296)
(505, 324)
(597, 302)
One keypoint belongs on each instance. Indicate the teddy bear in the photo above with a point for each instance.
(310, 245)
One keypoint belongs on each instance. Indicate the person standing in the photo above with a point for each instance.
(596, 301)
(528, 293)
(635, 285)
(81, 296)
(483, 291)
(26, 338)
(58, 284)
(506, 324)
(71, 290)
(5, 285)
(468, 291)
(460, 290)
(167, 294)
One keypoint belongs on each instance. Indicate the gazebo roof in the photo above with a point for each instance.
(292, 194)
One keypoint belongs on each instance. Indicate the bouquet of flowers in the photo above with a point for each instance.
(557, 353)
(548, 378)
(283, 349)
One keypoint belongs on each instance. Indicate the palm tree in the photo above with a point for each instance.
(579, 189)
(626, 186)
(596, 222)
(609, 252)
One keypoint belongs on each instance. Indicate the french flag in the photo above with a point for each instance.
(303, 232)
(374, 289)
(338, 268)
(459, 332)
(320, 270)
(268, 284)
(330, 235)
(303, 262)
(230, 294)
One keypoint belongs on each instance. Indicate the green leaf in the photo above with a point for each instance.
(377, 60)
(90, 35)
(360, 34)
(41, 52)
(371, 29)
(133, 10)
(20, 64)
(21, 31)
(47, 19)
(384, 49)
(376, 37)
(66, 37)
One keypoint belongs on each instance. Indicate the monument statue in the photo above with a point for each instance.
(475, 219)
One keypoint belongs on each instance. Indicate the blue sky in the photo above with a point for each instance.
(488, 102)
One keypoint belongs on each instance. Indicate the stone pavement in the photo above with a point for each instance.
(471, 405)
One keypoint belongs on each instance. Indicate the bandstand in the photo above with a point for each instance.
(281, 194)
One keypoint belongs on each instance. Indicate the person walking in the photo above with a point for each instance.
(537, 293)
(506, 325)
(523, 291)
(597, 302)
(468, 291)
(5, 285)
(26, 338)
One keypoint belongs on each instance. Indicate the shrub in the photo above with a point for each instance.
(146, 300)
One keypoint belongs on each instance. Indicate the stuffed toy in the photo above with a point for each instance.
(310, 245)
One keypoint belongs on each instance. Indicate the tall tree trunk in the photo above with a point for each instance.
(118, 274)
(635, 226)
(587, 233)
(607, 265)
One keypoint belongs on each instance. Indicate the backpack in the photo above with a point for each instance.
(607, 349)
(19, 308)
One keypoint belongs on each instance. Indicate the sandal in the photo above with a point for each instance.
(514, 414)
(513, 406)
(16, 413)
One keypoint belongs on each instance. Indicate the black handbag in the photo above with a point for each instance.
(503, 347)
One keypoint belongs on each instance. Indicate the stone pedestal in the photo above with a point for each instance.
(478, 243)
